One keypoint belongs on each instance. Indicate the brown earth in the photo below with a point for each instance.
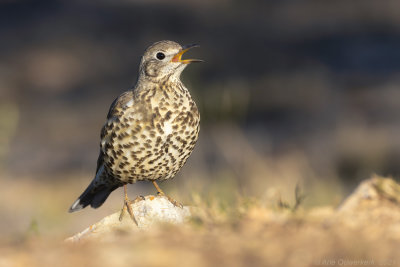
(363, 230)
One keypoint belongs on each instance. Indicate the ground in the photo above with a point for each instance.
(363, 231)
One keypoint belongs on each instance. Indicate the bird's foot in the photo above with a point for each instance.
(173, 201)
(138, 199)
(127, 207)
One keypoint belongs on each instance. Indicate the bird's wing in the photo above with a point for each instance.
(100, 160)
(119, 103)
(102, 185)
(114, 112)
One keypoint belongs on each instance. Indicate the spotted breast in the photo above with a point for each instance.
(150, 134)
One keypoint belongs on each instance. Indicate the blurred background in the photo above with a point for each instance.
(291, 92)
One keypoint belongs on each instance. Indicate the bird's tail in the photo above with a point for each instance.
(93, 196)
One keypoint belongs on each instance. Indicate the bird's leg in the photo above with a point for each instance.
(127, 206)
(161, 193)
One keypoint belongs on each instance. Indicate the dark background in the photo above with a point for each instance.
(290, 91)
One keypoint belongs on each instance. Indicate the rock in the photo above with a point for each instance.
(372, 193)
(150, 211)
(374, 206)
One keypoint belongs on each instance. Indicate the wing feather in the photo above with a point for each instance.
(114, 112)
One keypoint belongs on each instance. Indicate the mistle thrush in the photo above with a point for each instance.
(150, 130)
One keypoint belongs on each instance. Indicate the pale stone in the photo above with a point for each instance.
(372, 193)
(374, 201)
(150, 211)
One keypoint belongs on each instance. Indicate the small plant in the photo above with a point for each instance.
(299, 197)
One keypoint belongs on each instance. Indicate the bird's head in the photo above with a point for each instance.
(164, 59)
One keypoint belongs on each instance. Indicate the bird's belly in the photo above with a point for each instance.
(155, 150)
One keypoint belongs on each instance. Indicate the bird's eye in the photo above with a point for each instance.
(160, 56)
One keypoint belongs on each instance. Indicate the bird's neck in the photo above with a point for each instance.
(150, 87)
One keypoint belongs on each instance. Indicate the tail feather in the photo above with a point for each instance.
(93, 196)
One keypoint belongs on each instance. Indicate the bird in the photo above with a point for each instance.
(150, 130)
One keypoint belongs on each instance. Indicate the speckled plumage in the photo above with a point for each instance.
(150, 130)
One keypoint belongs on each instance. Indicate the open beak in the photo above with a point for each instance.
(185, 48)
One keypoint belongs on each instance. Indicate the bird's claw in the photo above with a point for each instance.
(170, 199)
(175, 203)
(127, 207)
(138, 199)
